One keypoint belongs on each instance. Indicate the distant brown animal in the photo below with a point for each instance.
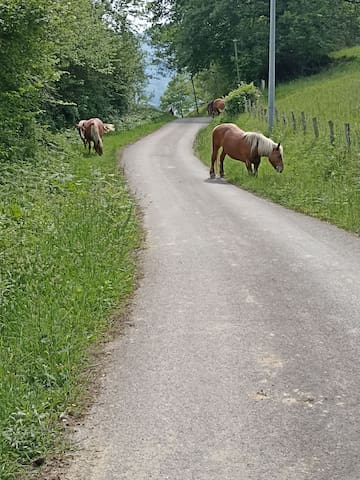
(248, 147)
(92, 130)
(216, 106)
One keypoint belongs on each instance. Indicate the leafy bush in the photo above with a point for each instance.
(138, 116)
(235, 102)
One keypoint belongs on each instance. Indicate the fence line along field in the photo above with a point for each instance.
(321, 174)
(303, 123)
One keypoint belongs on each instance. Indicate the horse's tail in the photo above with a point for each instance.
(96, 137)
(99, 147)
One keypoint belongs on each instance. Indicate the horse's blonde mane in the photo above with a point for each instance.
(262, 144)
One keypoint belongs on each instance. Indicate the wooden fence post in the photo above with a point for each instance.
(303, 121)
(261, 113)
(347, 134)
(316, 127)
(331, 130)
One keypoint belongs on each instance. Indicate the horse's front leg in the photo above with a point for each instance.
(256, 163)
(222, 156)
(249, 167)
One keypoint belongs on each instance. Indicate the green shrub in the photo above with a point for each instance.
(138, 116)
(235, 102)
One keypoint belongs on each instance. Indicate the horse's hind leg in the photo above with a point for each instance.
(213, 161)
(222, 156)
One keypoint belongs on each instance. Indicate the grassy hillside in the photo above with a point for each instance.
(319, 178)
(331, 95)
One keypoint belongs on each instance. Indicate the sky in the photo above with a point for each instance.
(157, 80)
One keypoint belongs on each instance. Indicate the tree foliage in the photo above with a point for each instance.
(179, 95)
(199, 35)
(62, 61)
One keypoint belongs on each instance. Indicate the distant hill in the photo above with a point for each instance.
(157, 81)
(156, 87)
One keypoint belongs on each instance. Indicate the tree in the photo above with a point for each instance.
(195, 35)
(61, 61)
(28, 62)
(178, 95)
(102, 68)
(307, 32)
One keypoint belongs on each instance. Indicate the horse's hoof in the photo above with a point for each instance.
(212, 175)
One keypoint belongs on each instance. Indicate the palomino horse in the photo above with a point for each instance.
(215, 107)
(92, 130)
(248, 147)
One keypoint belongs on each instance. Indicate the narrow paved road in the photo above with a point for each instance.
(243, 359)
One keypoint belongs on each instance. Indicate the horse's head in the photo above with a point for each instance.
(109, 127)
(276, 158)
(81, 129)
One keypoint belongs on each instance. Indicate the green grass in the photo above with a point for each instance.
(331, 95)
(68, 237)
(319, 179)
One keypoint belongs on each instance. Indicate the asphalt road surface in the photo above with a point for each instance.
(242, 360)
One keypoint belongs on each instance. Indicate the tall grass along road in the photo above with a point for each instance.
(68, 235)
(242, 361)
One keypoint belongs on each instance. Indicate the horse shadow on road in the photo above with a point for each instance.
(217, 180)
